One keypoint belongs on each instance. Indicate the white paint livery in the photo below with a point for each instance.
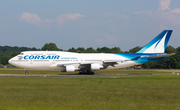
(157, 47)
(87, 63)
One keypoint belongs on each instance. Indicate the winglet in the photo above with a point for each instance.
(158, 44)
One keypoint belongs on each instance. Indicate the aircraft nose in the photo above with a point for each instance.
(10, 61)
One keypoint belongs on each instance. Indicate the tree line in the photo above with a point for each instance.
(7, 52)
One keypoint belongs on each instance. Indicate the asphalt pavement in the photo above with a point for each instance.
(58, 76)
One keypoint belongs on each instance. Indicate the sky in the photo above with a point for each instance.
(87, 23)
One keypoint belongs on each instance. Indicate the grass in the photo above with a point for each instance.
(158, 91)
(101, 72)
(30, 71)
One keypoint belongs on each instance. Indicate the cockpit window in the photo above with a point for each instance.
(21, 54)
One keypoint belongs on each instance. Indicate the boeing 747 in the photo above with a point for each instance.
(87, 63)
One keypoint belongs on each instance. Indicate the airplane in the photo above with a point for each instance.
(87, 63)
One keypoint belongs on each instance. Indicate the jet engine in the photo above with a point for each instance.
(69, 69)
(95, 67)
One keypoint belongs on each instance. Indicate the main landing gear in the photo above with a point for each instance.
(86, 73)
(26, 72)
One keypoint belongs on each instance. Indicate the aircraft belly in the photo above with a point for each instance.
(124, 64)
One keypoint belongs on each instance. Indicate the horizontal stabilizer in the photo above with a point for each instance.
(161, 56)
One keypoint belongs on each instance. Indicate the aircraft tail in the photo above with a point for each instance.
(158, 44)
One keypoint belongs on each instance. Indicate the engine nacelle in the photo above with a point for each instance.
(69, 69)
(95, 67)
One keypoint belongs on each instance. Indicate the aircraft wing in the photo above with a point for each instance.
(112, 62)
(66, 64)
(87, 64)
(81, 63)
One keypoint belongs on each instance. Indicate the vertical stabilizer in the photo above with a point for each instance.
(158, 44)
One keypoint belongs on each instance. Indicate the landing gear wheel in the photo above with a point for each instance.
(82, 73)
(86, 73)
(26, 72)
(91, 73)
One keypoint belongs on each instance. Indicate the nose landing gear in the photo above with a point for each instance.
(26, 72)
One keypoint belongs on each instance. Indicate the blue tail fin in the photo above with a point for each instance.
(158, 44)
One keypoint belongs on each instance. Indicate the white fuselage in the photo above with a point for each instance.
(58, 60)
(88, 62)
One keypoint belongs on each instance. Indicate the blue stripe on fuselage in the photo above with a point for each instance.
(134, 56)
